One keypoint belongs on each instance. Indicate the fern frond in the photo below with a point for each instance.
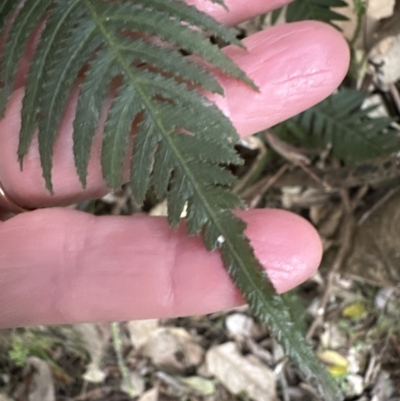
(320, 10)
(182, 141)
(341, 121)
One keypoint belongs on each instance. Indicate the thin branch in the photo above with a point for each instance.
(345, 247)
(117, 342)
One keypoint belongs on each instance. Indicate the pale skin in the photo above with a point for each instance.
(62, 266)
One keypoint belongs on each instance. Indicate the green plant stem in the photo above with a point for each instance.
(274, 311)
(360, 9)
(117, 342)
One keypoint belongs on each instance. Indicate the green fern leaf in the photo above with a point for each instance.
(341, 121)
(182, 141)
(320, 10)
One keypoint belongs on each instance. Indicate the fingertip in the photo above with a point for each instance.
(333, 50)
(302, 63)
(63, 266)
(237, 11)
(287, 245)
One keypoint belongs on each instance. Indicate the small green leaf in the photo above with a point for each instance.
(341, 121)
(355, 310)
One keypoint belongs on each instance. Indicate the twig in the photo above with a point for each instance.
(362, 191)
(173, 382)
(255, 192)
(117, 342)
(294, 155)
(284, 386)
(376, 206)
(360, 10)
(318, 180)
(257, 167)
(395, 95)
(84, 392)
(345, 246)
(94, 394)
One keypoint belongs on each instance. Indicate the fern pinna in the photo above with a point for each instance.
(343, 122)
(182, 140)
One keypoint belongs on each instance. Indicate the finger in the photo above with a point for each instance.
(295, 66)
(64, 266)
(238, 10)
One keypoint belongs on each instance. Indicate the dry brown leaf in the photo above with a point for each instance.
(95, 342)
(384, 49)
(348, 27)
(199, 385)
(173, 349)
(355, 385)
(161, 209)
(286, 150)
(39, 383)
(379, 9)
(136, 385)
(151, 395)
(241, 374)
(375, 253)
(296, 196)
(327, 218)
(141, 331)
(241, 326)
(333, 337)
(386, 56)
(384, 388)
(376, 10)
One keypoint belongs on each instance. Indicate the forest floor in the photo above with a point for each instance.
(350, 308)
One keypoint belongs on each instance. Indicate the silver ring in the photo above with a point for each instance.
(8, 204)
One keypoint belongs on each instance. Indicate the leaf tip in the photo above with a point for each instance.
(83, 181)
(49, 184)
(21, 163)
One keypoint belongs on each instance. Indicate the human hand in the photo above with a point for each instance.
(63, 266)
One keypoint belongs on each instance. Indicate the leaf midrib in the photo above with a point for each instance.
(147, 102)
(263, 290)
